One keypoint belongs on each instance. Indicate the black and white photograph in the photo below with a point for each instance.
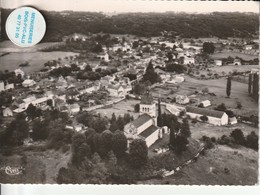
(131, 92)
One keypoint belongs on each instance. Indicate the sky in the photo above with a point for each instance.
(136, 5)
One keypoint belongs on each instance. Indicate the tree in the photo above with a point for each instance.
(105, 143)
(172, 140)
(185, 128)
(80, 149)
(250, 84)
(138, 153)
(49, 102)
(208, 47)
(137, 108)
(32, 111)
(159, 118)
(228, 89)
(40, 130)
(204, 118)
(181, 144)
(238, 136)
(252, 140)
(221, 107)
(119, 144)
(16, 131)
(151, 75)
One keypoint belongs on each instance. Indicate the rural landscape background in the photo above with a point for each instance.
(77, 134)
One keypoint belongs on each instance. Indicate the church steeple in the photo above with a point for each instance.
(148, 105)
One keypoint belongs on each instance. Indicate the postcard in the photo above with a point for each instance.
(129, 92)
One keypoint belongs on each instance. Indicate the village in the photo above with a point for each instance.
(139, 81)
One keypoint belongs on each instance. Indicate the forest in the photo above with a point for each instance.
(219, 24)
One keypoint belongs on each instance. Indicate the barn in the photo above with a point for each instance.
(214, 117)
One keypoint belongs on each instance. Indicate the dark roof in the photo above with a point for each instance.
(147, 132)
(147, 99)
(206, 112)
(141, 120)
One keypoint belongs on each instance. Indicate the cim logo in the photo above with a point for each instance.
(13, 170)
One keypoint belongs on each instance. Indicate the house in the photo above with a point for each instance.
(19, 72)
(104, 56)
(28, 83)
(182, 99)
(248, 47)
(61, 83)
(218, 62)
(116, 90)
(189, 60)
(205, 103)
(145, 126)
(233, 120)
(237, 62)
(74, 108)
(7, 112)
(214, 117)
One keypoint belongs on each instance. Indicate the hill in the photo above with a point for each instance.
(219, 24)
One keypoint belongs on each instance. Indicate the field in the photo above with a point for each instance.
(227, 69)
(36, 60)
(121, 108)
(233, 55)
(209, 169)
(40, 167)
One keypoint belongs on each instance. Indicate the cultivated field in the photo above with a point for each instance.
(227, 69)
(36, 60)
(233, 55)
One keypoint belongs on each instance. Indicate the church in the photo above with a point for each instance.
(145, 126)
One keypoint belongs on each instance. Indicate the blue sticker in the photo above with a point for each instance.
(25, 26)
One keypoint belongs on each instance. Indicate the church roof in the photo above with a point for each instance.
(147, 99)
(147, 132)
(141, 120)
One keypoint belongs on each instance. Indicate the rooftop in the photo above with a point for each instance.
(206, 112)
(147, 132)
(141, 120)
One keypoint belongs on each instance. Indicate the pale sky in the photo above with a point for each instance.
(136, 5)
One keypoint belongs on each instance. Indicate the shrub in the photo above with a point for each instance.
(213, 139)
(204, 118)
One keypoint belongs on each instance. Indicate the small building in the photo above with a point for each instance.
(233, 120)
(7, 112)
(214, 117)
(218, 62)
(74, 108)
(116, 90)
(28, 83)
(237, 62)
(205, 103)
(248, 47)
(188, 60)
(182, 99)
(19, 72)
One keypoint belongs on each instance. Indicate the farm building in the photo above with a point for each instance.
(214, 117)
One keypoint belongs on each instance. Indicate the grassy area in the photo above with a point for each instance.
(227, 69)
(36, 60)
(40, 167)
(209, 169)
(234, 54)
(121, 108)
